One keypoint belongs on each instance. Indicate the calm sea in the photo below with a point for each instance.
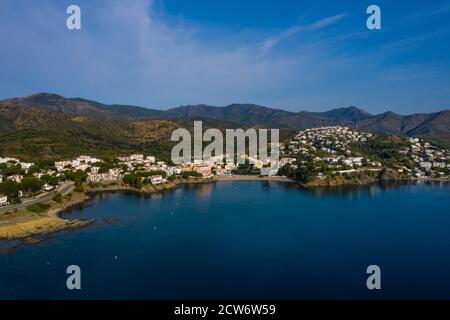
(248, 239)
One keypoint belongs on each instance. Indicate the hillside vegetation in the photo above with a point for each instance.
(49, 126)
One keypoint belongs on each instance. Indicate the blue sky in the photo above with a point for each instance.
(295, 55)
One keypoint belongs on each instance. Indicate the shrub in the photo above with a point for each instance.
(38, 207)
(187, 174)
(79, 185)
(94, 185)
(57, 197)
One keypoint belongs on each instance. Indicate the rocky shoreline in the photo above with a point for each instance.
(23, 224)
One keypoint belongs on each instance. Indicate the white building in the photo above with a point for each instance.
(137, 157)
(7, 159)
(26, 165)
(87, 159)
(16, 177)
(3, 200)
(60, 165)
(157, 179)
(151, 159)
(112, 175)
(48, 187)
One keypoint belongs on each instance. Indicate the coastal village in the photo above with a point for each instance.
(344, 151)
(318, 152)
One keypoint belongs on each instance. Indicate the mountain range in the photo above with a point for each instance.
(73, 124)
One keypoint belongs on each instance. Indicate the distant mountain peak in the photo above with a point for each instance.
(45, 94)
(390, 114)
(348, 113)
(436, 125)
(43, 97)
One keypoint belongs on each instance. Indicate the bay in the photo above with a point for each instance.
(245, 240)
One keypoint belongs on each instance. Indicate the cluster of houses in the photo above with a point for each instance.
(129, 164)
(325, 145)
(334, 140)
(81, 163)
(14, 162)
(25, 166)
(218, 167)
(138, 162)
(14, 177)
(429, 159)
(148, 164)
(331, 145)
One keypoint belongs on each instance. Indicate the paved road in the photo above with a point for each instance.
(63, 188)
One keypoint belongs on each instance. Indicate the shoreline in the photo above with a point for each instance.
(254, 178)
(21, 224)
(31, 225)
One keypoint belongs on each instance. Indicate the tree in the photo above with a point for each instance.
(32, 184)
(187, 174)
(57, 197)
(153, 173)
(33, 169)
(79, 185)
(74, 176)
(78, 177)
(50, 179)
(10, 170)
(10, 189)
(105, 166)
(45, 164)
(133, 180)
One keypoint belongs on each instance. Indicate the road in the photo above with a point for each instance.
(63, 188)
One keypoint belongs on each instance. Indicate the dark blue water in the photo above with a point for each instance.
(245, 240)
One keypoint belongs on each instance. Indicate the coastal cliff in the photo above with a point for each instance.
(357, 179)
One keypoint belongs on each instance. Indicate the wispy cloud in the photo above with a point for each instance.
(133, 52)
(271, 42)
(128, 53)
(431, 12)
(416, 41)
(328, 21)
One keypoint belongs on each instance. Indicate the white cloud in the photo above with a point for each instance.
(328, 21)
(128, 53)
